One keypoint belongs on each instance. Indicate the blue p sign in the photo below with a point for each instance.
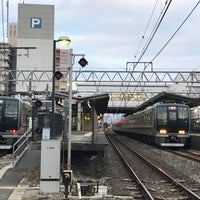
(36, 22)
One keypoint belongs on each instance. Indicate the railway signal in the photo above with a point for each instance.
(67, 177)
(67, 180)
(83, 62)
(38, 103)
(58, 75)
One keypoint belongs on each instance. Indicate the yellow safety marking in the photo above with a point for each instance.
(88, 134)
(15, 191)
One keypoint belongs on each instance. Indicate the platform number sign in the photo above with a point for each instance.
(36, 22)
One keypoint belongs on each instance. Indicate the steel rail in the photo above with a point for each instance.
(188, 191)
(134, 175)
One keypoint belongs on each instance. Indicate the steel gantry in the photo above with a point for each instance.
(124, 87)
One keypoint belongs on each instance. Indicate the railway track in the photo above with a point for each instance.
(195, 156)
(153, 182)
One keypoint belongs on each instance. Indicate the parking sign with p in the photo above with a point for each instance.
(36, 22)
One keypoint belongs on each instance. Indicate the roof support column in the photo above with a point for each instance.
(79, 116)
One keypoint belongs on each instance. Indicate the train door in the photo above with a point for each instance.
(172, 119)
(183, 118)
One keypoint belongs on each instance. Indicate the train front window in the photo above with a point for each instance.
(183, 117)
(172, 115)
(8, 114)
(161, 115)
(182, 113)
(11, 109)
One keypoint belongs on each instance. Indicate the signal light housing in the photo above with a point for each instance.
(58, 75)
(38, 103)
(67, 177)
(83, 62)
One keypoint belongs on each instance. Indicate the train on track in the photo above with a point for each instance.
(195, 119)
(163, 124)
(14, 119)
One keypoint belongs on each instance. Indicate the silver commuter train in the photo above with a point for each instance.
(164, 124)
(14, 119)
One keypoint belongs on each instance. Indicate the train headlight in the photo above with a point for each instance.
(181, 132)
(163, 131)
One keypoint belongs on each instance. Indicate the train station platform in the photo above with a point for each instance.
(15, 185)
(84, 141)
(15, 181)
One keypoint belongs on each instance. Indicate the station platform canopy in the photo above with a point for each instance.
(168, 97)
(98, 102)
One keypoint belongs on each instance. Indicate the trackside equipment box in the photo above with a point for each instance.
(50, 166)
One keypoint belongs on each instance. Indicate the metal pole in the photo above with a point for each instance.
(79, 117)
(66, 106)
(70, 111)
(53, 87)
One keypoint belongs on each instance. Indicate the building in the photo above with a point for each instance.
(35, 29)
(12, 34)
(4, 66)
(62, 65)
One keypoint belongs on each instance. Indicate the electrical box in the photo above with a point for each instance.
(50, 165)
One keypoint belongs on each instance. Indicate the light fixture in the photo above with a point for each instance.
(88, 103)
(63, 41)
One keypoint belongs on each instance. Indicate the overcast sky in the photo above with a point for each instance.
(109, 32)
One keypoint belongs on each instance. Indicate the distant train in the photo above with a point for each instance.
(164, 124)
(195, 119)
(14, 119)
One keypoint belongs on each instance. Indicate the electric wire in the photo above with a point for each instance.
(167, 4)
(146, 28)
(163, 12)
(175, 32)
(172, 35)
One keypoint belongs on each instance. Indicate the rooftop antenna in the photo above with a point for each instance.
(2, 11)
(7, 5)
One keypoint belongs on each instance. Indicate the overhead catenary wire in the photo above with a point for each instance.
(167, 4)
(175, 32)
(146, 28)
(163, 12)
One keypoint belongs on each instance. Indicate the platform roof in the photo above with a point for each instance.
(99, 102)
(168, 97)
